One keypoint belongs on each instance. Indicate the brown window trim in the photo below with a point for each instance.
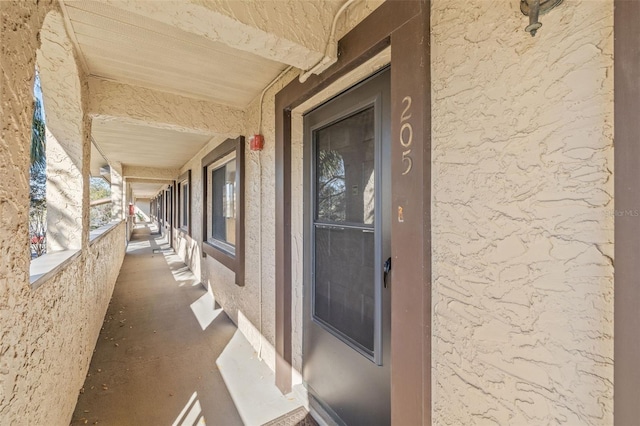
(185, 176)
(233, 262)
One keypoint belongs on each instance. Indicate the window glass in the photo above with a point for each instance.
(344, 281)
(223, 202)
(345, 170)
(184, 210)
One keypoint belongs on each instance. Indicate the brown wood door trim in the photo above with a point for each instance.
(405, 25)
(626, 68)
(411, 223)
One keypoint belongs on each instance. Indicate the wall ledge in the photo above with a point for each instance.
(49, 264)
(98, 233)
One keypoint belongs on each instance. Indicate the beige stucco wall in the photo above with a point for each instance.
(65, 99)
(252, 307)
(47, 334)
(522, 214)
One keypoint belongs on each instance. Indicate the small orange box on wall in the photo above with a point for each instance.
(256, 143)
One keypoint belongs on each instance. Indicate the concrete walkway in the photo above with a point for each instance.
(167, 355)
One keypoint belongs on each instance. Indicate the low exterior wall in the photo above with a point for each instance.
(48, 334)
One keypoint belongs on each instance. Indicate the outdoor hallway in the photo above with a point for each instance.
(168, 355)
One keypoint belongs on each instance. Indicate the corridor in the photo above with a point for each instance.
(168, 355)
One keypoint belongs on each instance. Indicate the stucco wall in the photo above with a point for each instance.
(522, 216)
(47, 334)
(252, 307)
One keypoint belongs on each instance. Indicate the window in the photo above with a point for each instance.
(167, 205)
(223, 222)
(222, 205)
(184, 202)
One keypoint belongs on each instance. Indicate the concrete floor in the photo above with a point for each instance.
(168, 355)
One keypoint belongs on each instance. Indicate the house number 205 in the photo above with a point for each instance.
(406, 135)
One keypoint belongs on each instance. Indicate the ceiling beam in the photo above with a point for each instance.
(111, 101)
(270, 29)
(155, 181)
(156, 175)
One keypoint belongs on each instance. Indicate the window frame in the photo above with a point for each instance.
(184, 178)
(234, 262)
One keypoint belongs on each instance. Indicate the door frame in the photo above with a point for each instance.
(626, 68)
(405, 26)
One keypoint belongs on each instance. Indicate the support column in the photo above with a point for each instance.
(117, 191)
(64, 198)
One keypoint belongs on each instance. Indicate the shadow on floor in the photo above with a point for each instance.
(159, 356)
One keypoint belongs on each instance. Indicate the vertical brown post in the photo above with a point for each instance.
(283, 247)
(411, 222)
(626, 401)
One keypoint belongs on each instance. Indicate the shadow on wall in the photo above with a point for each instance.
(189, 249)
(59, 222)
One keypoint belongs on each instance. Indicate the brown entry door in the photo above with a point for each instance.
(347, 313)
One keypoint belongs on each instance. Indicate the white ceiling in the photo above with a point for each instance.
(118, 41)
(136, 50)
(137, 145)
(146, 190)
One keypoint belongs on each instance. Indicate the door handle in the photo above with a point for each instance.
(386, 269)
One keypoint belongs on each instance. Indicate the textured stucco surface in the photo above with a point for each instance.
(269, 29)
(47, 335)
(141, 172)
(117, 191)
(64, 198)
(64, 94)
(139, 105)
(251, 307)
(522, 214)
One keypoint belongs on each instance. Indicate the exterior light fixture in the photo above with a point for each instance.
(534, 8)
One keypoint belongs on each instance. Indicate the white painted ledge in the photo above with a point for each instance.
(49, 264)
(95, 235)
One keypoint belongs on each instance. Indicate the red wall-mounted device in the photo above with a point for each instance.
(256, 143)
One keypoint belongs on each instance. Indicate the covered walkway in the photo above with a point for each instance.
(168, 355)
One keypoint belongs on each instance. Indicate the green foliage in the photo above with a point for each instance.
(38, 139)
(38, 178)
(99, 188)
(100, 214)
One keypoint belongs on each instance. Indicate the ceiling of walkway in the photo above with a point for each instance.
(145, 189)
(116, 44)
(221, 53)
(138, 145)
